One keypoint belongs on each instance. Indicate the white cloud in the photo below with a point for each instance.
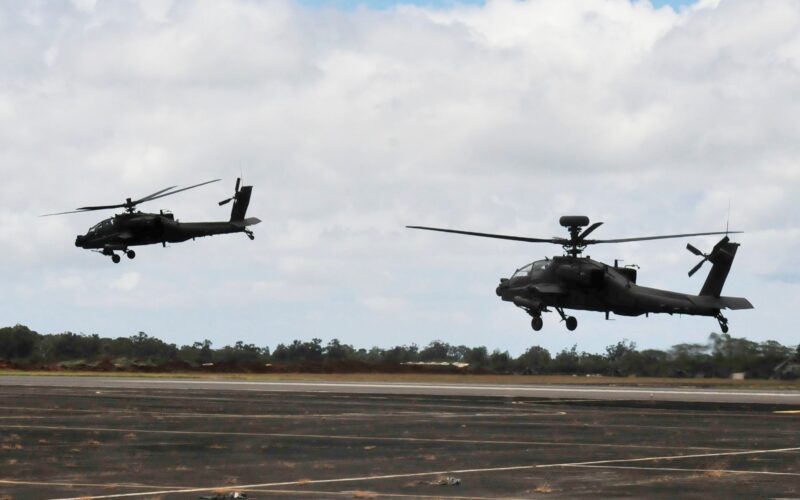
(352, 124)
(383, 304)
(126, 282)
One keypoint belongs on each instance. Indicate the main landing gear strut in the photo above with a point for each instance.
(115, 258)
(537, 323)
(572, 323)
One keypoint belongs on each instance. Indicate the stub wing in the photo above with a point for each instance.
(548, 289)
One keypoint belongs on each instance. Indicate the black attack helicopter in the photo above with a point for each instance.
(575, 282)
(133, 227)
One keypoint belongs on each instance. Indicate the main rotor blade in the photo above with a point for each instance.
(79, 211)
(117, 205)
(697, 267)
(646, 238)
(558, 241)
(179, 190)
(150, 196)
(98, 207)
(130, 204)
(586, 232)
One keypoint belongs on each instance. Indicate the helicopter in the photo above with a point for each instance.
(572, 281)
(132, 227)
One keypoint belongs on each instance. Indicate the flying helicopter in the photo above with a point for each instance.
(132, 227)
(572, 281)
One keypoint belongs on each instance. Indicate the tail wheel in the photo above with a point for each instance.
(537, 323)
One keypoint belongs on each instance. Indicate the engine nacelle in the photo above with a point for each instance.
(585, 277)
(628, 273)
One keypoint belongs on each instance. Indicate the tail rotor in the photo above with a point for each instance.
(706, 257)
(235, 193)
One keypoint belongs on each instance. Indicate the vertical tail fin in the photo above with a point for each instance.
(722, 258)
(240, 202)
(241, 198)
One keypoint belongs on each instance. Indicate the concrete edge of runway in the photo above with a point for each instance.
(615, 393)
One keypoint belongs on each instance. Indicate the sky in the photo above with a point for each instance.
(353, 121)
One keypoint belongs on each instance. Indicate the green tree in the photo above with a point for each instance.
(17, 342)
(535, 360)
(500, 362)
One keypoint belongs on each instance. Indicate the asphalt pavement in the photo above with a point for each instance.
(136, 438)
(613, 393)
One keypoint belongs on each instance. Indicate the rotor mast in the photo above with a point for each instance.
(577, 239)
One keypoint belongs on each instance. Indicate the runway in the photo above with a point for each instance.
(616, 393)
(71, 437)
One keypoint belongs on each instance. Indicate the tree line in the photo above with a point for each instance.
(721, 356)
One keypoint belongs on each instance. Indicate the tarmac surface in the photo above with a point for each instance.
(88, 438)
(640, 393)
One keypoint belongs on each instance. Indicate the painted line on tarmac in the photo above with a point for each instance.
(678, 457)
(373, 494)
(99, 485)
(424, 474)
(788, 412)
(347, 437)
(322, 386)
(678, 469)
(525, 388)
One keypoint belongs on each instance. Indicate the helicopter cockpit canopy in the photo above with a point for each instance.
(533, 269)
(522, 271)
(100, 226)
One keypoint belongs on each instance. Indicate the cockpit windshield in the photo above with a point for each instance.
(102, 225)
(523, 271)
(532, 268)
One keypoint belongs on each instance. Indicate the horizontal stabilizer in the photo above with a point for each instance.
(736, 303)
(721, 302)
(250, 221)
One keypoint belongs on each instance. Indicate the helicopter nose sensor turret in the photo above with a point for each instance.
(79, 240)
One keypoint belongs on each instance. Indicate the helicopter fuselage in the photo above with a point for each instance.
(575, 282)
(582, 283)
(134, 229)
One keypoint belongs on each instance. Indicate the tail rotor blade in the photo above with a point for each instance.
(697, 267)
(694, 250)
(225, 202)
(238, 183)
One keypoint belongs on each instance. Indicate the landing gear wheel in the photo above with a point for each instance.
(115, 258)
(572, 323)
(537, 323)
(723, 323)
(131, 254)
